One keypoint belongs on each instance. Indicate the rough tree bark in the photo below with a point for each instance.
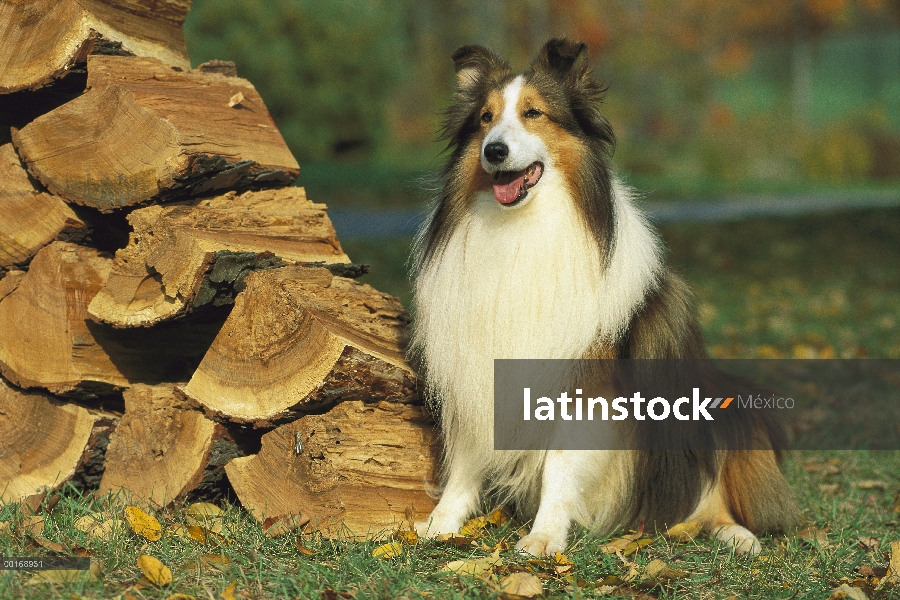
(185, 256)
(45, 442)
(31, 219)
(299, 337)
(43, 40)
(360, 470)
(144, 132)
(162, 449)
(46, 340)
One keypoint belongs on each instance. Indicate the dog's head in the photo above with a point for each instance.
(506, 132)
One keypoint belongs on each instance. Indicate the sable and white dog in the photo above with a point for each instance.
(535, 250)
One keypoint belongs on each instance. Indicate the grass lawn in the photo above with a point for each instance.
(812, 286)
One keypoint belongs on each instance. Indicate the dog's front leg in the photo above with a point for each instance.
(561, 493)
(457, 503)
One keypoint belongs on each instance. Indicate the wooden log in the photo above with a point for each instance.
(144, 132)
(45, 442)
(30, 219)
(189, 255)
(162, 449)
(44, 40)
(46, 341)
(359, 471)
(299, 337)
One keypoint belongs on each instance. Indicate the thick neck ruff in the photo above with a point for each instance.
(526, 282)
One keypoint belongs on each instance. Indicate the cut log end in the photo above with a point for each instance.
(359, 471)
(298, 337)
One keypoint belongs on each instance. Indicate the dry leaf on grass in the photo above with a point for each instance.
(62, 576)
(814, 536)
(105, 530)
(389, 550)
(892, 577)
(298, 543)
(516, 586)
(408, 537)
(868, 542)
(275, 526)
(47, 544)
(849, 592)
(143, 524)
(88, 522)
(684, 532)
(660, 571)
(228, 592)
(33, 525)
(181, 597)
(460, 541)
(473, 566)
(156, 573)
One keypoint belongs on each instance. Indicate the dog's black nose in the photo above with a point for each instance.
(496, 152)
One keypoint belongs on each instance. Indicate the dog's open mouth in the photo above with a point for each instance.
(512, 186)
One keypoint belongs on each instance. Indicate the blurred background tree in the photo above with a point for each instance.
(707, 97)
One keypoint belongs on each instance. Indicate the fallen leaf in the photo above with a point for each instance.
(228, 592)
(61, 576)
(637, 545)
(284, 524)
(88, 522)
(622, 543)
(181, 597)
(33, 525)
(108, 528)
(143, 524)
(389, 550)
(846, 591)
(303, 549)
(47, 544)
(408, 537)
(660, 571)
(814, 536)
(684, 532)
(868, 542)
(156, 573)
(460, 541)
(520, 585)
(216, 561)
(892, 577)
(870, 484)
(474, 566)
(498, 517)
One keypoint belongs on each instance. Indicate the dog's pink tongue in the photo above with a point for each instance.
(507, 189)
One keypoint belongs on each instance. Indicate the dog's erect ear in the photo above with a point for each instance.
(565, 59)
(472, 63)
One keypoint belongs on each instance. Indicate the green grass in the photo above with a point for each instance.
(765, 287)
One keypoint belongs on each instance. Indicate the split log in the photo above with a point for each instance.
(144, 132)
(30, 219)
(46, 341)
(185, 256)
(359, 470)
(162, 449)
(45, 443)
(299, 337)
(44, 40)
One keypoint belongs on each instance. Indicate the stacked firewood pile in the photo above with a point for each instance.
(172, 314)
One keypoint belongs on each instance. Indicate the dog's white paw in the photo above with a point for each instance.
(541, 544)
(739, 538)
(435, 526)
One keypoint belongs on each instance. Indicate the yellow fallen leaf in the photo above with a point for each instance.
(520, 585)
(475, 566)
(181, 597)
(498, 517)
(61, 576)
(203, 510)
(408, 537)
(228, 592)
(561, 559)
(636, 545)
(892, 577)
(156, 573)
(473, 527)
(143, 524)
(684, 532)
(848, 592)
(659, 570)
(389, 550)
(620, 544)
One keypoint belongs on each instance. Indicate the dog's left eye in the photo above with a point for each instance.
(532, 113)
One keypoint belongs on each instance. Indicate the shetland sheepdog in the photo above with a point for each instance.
(535, 250)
